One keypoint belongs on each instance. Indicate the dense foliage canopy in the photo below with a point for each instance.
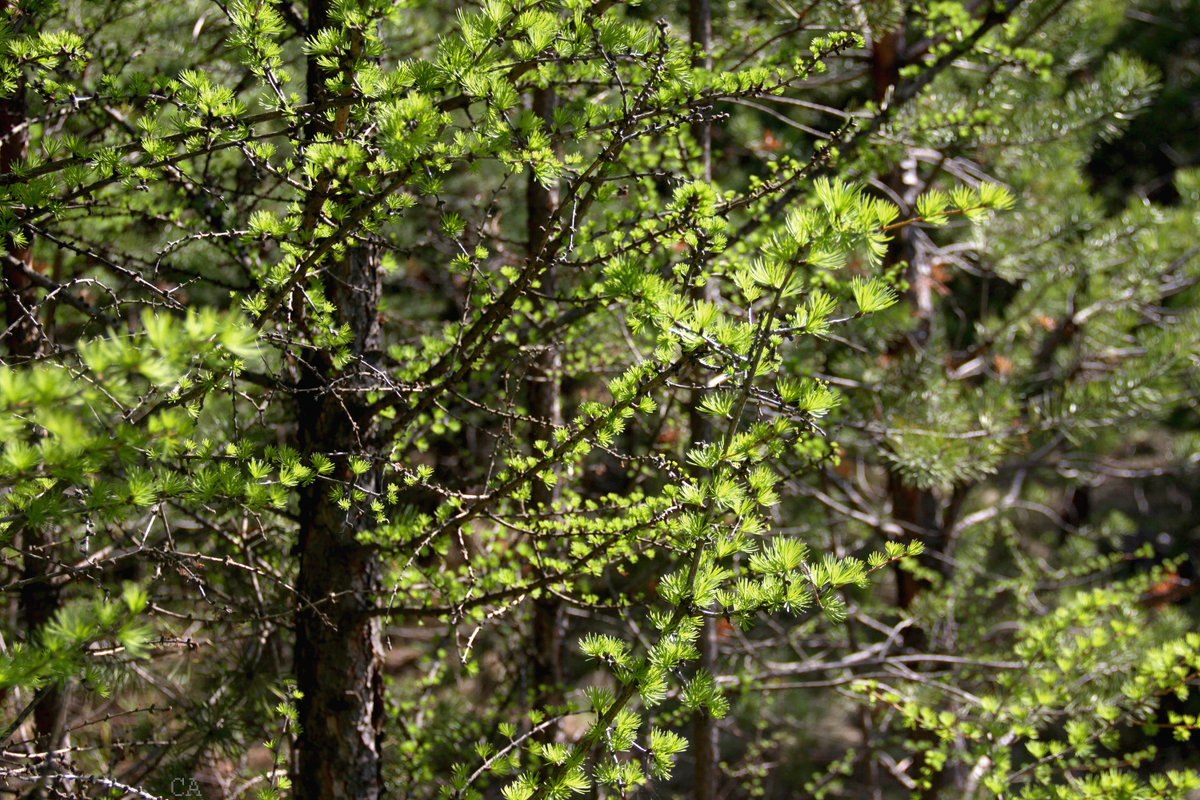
(540, 398)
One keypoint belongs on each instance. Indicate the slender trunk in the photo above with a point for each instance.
(915, 510)
(339, 652)
(544, 397)
(704, 728)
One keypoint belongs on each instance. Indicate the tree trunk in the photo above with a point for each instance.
(339, 652)
(21, 338)
(704, 727)
(38, 599)
(544, 397)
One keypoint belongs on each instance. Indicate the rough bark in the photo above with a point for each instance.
(338, 652)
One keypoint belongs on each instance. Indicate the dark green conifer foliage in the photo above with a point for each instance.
(537, 399)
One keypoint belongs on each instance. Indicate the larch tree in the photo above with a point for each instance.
(528, 399)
